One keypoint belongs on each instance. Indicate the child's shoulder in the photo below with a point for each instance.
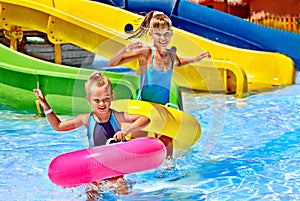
(84, 118)
(146, 50)
(121, 116)
(117, 113)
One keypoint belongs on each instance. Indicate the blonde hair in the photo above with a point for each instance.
(97, 80)
(153, 20)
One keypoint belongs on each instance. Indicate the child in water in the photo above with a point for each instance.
(103, 123)
(155, 62)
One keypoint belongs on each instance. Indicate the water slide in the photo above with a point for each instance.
(20, 74)
(219, 26)
(99, 28)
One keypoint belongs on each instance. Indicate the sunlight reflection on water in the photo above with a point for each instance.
(250, 153)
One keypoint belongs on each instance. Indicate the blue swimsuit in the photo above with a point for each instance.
(155, 85)
(99, 133)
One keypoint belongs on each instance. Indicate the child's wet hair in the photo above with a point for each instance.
(153, 20)
(97, 80)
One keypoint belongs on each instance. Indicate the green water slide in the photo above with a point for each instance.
(63, 86)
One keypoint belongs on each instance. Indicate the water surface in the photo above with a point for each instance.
(248, 151)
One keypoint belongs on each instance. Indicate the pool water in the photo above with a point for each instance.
(249, 150)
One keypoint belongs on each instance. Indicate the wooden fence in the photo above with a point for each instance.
(291, 24)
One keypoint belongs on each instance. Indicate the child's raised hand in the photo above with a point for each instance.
(203, 55)
(38, 93)
(134, 46)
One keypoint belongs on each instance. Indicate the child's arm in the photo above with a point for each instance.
(126, 54)
(54, 121)
(138, 122)
(186, 61)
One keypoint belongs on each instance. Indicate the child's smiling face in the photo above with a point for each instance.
(101, 99)
(161, 37)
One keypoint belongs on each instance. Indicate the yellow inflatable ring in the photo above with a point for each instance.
(182, 127)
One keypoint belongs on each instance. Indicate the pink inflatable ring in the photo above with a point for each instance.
(102, 162)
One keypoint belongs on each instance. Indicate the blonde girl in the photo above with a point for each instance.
(103, 123)
(156, 62)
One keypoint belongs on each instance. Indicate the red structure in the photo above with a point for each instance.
(254, 8)
(282, 8)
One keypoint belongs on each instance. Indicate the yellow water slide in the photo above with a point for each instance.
(100, 28)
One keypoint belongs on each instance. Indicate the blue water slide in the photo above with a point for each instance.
(219, 26)
(118, 3)
(143, 6)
